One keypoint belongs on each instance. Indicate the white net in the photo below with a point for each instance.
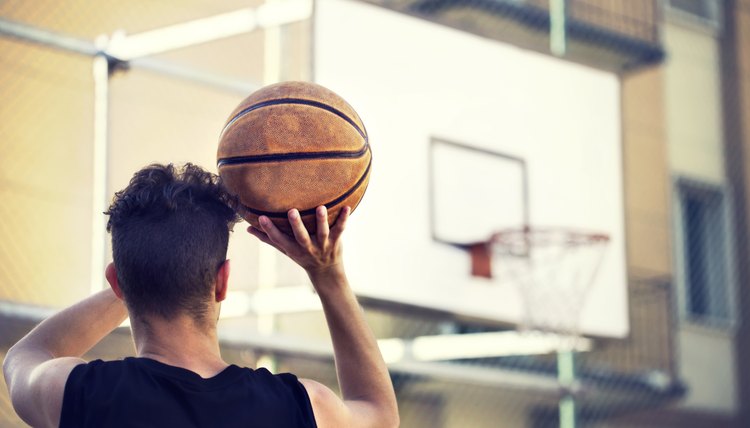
(553, 270)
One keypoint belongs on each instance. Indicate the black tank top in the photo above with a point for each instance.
(140, 392)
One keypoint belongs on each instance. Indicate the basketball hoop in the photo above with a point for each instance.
(553, 270)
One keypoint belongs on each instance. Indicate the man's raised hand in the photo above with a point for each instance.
(319, 254)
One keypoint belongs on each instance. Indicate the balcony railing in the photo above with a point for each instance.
(650, 345)
(609, 33)
(636, 19)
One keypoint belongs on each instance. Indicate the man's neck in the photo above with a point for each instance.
(181, 342)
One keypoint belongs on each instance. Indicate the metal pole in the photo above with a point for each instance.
(557, 27)
(67, 43)
(101, 72)
(47, 38)
(565, 358)
(192, 75)
(566, 376)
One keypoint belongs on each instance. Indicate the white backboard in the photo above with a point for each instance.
(469, 136)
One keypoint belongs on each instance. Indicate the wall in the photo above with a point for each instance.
(696, 141)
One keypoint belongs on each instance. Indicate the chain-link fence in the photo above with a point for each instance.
(685, 89)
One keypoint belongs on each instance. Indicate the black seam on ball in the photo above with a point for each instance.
(295, 101)
(333, 203)
(237, 160)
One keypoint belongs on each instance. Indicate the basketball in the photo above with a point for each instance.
(294, 145)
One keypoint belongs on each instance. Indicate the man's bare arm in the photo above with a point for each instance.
(37, 367)
(363, 376)
(368, 396)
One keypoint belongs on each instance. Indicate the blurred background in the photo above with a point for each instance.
(624, 118)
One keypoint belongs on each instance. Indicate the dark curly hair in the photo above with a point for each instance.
(170, 230)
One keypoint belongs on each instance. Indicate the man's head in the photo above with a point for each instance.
(170, 230)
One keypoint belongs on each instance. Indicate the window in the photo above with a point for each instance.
(699, 8)
(703, 252)
(706, 12)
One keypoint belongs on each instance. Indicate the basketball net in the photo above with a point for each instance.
(553, 270)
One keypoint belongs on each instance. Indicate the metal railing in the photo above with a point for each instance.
(650, 345)
(637, 19)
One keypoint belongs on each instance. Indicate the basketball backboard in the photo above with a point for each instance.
(470, 136)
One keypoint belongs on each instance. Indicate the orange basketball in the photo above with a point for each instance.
(294, 145)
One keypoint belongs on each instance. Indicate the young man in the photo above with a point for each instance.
(170, 230)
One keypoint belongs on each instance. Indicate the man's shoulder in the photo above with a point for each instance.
(99, 365)
(92, 372)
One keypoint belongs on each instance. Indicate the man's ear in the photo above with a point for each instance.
(111, 274)
(222, 281)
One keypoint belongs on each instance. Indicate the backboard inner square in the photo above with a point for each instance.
(475, 192)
